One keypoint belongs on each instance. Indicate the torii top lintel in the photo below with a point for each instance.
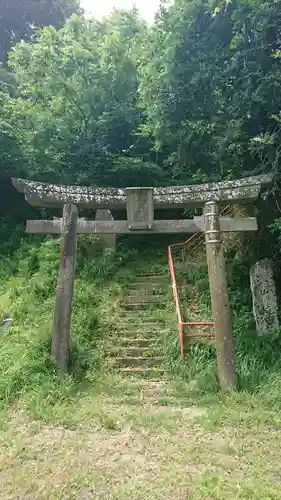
(47, 195)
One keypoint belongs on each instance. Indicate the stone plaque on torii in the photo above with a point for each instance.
(140, 204)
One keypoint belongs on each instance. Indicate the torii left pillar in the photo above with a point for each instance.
(65, 286)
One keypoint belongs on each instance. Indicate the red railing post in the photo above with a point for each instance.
(181, 332)
(193, 242)
(176, 299)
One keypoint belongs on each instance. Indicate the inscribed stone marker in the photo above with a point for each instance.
(140, 208)
(265, 307)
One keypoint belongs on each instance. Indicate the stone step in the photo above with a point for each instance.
(138, 342)
(140, 361)
(145, 285)
(136, 320)
(143, 298)
(143, 327)
(145, 293)
(158, 386)
(150, 277)
(157, 401)
(136, 306)
(158, 274)
(133, 333)
(149, 371)
(136, 352)
(149, 289)
(146, 297)
(138, 327)
(141, 319)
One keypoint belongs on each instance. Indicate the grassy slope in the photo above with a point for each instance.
(93, 434)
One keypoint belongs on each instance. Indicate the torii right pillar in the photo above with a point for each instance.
(222, 314)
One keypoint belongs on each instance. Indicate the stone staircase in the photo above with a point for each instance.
(138, 349)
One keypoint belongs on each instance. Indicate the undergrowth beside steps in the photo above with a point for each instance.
(94, 433)
(27, 286)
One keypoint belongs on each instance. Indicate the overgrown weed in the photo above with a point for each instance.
(28, 291)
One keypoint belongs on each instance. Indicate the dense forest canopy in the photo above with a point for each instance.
(194, 97)
(20, 19)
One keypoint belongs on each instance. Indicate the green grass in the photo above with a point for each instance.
(97, 445)
(93, 434)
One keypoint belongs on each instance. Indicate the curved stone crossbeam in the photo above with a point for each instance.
(240, 190)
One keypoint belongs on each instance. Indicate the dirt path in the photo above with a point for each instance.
(137, 450)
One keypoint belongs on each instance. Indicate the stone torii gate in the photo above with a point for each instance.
(140, 204)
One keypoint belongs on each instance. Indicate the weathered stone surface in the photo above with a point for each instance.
(265, 306)
(42, 194)
(112, 227)
(235, 224)
(109, 240)
(221, 309)
(65, 287)
(140, 208)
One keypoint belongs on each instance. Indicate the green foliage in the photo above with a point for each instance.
(28, 278)
(75, 115)
(20, 20)
(27, 291)
(193, 98)
(212, 86)
(257, 358)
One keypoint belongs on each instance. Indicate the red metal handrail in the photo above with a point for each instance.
(196, 239)
(176, 299)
